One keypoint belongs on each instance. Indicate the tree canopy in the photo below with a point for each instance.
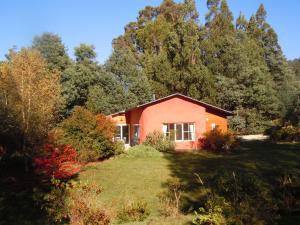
(235, 63)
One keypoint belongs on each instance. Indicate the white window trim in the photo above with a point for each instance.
(121, 131)
(182, 130)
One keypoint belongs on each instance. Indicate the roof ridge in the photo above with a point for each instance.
(173, 95)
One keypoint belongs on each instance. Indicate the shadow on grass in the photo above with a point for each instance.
(261, 159)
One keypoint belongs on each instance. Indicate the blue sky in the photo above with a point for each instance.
(97, 22)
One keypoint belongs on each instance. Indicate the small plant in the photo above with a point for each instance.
(119, 147)
(288, 191)
(81, 210)
(171, 198)
(158, 141)
(212, 216)
(134, 211)
(218, 141)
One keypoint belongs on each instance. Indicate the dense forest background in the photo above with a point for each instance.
(236, 64)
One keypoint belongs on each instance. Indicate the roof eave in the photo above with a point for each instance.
(228, 113)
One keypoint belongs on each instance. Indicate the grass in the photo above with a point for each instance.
(141, 177)
(137, 176)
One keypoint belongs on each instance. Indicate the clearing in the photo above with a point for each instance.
(141, 177)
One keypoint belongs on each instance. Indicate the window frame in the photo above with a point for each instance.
(139, 130)
(121, 133)
(191, 134)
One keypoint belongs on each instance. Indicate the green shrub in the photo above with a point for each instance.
(134, 211)
(239, 198)
(157, 140)
(285, 133)
(119, 147)
(53, 201)
(218, 141)
(91, 135)
(142, 151)
(212, 214)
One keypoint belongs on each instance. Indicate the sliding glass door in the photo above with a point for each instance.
(122, 133)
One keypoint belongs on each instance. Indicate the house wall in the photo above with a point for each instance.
(219, 120)
(120, 119)
(173, 110)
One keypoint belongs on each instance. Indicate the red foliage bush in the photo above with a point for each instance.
(58, 161)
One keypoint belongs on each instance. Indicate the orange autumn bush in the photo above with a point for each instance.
(218, 141)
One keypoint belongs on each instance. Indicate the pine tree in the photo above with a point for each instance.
(124, 66)
(80, 76)
(53, 51)
(164, 41)
(278, 67)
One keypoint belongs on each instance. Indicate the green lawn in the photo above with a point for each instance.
(143, 177)
(132, 178)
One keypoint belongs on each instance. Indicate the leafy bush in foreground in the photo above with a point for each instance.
(218, 141)
(235, 198)
(64, 203)
(211, 214)
(157, 140)
(81, 210)
(170, 199)
(134, 211)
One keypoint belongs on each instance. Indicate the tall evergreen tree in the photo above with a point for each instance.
(164, 40)
(80, 76)
(53, 50)
(295, 65)
(124, 66)
(238, 65)
(277, 64)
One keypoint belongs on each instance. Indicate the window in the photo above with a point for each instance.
(169, 131)
(189, 131)
(179, 131)
(136, 135)
(136, 131)
(122, 133)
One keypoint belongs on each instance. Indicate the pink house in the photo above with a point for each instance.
(179, 117)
